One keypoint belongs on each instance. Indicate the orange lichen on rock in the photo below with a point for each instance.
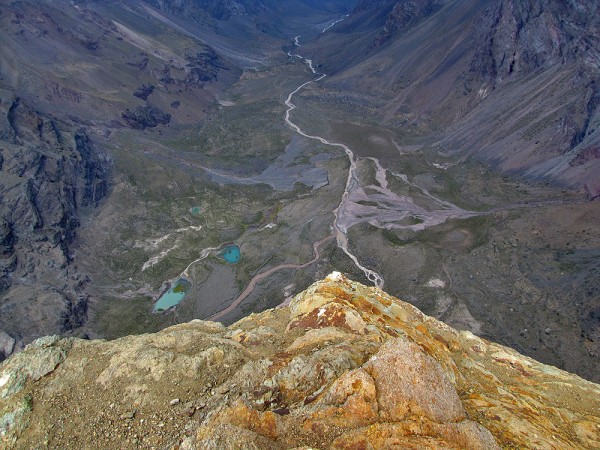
(412, 384)
(350, 402)
(344, 366)
(331, 314)
(241, 416)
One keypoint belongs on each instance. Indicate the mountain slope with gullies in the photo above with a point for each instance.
(71, 75)
(82, 84)
(250, 22)
(513, 83)
(108, 65)
(343, 366)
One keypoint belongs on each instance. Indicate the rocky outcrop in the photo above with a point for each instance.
(144, 91)
(145, 117)
(523, 36)
(344, 366)
(49, 172)
(404, 14)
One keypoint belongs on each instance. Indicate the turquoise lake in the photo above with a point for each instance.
(231, 254)
(195, 210)
(173, 296)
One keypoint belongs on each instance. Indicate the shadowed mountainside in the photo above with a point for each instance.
(49, 171)
(511, 82)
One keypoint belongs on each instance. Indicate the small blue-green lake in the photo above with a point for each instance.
(195, 210)
(231, 254)
(173, 296)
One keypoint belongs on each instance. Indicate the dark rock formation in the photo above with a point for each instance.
(49, 172)
(204, 67)
(141, 62)
(146, 117)
(523, 36)
(144, 91)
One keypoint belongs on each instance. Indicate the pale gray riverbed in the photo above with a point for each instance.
(294, 165)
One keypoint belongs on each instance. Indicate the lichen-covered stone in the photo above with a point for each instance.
(344, 367)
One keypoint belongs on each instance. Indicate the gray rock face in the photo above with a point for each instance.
(7, 344)
(48, 172)
(522, 36)
(145, 117)
(404, 14)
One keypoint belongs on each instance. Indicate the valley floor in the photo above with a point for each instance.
(285, 166)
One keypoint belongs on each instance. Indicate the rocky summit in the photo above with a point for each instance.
(343, 366)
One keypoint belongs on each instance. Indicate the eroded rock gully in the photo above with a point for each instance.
(345, 366)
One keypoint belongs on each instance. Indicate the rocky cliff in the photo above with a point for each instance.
(49, 172)
(343, 366)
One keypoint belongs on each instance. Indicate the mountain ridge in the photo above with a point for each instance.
(137, 142)
(344, 365)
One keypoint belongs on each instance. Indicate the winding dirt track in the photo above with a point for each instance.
(254, 281)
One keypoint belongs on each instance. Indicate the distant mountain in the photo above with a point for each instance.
(236, 18)
(225, 9)
(514, 83)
